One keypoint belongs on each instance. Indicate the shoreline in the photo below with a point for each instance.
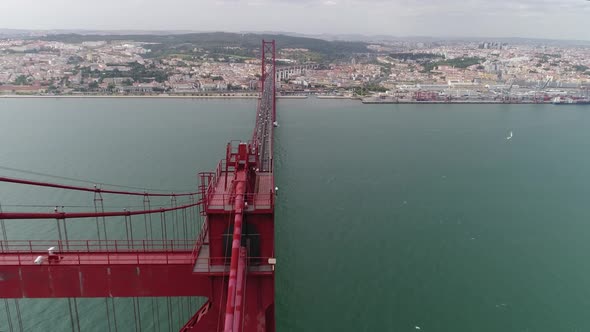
(129, 97)
(138, 97)
(468, 102)
(335, 97)
(364, 102)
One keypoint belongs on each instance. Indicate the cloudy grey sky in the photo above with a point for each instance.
(562, 19)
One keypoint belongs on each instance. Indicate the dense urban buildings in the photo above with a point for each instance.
(392, 70)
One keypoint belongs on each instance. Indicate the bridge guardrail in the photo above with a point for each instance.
(225, 202)
(95, 246)
(200, 240)
(95, 252)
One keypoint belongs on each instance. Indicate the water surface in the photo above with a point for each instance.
(389, 216)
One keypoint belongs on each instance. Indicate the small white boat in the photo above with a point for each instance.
(510, 136)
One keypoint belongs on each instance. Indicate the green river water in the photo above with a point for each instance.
(389, 217)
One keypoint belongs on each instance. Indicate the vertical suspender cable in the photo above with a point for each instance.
(59, 232)
(66, 233)
(97, 220)
(197, 222)
(145, 220)
(153, 314)
(184, 306)
(134, 300)
(71, 314)
(193, 219)
(151, 226)
(106, 302)
(139, 312)
(76, 312)
(104, 223)
(179, 310)
(126, 230)
(99, 201)
(169, 313)
(163, 225)
(8, 316)
(3, 226)
(178, 230)
(114, 314)
(174, 230)
(185, 230)
(188, 306)
(158, 312)
(131, 230)
(147, 206)
(189, 219)
(189, 301)
(149, 236)
(5, 238)
(18, 316)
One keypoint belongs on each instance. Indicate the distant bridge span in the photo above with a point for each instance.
(284, 73)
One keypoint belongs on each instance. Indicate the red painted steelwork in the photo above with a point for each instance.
(239, 300)
(241, 180)
(116, 268)
(237, 200)
(94, 190)
(80, 215)
(103, 280)
(203, 320)
(257, 313)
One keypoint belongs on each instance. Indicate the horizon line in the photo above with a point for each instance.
(286, 33)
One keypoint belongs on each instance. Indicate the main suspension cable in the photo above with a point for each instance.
(95, 189)
(81, 215)
(79, 180)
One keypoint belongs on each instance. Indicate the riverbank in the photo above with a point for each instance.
(335, 97)
(469, 102)
(130, 97)
(365, 101)
(149, 96)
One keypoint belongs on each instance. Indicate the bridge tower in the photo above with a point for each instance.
(232, 262)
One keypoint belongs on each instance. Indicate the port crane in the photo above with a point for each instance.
(506, 93)
(542, 89)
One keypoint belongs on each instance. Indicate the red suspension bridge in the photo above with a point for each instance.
(221, 246)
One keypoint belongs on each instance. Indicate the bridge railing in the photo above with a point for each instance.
(255, 202)
(200, 240)
(95, 246)
(117, 252)
(209, 181)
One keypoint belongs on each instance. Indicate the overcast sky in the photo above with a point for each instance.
(562, 19)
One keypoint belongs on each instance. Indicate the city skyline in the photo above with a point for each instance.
(547, 19)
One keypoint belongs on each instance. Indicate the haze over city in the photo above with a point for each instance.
(559, 19)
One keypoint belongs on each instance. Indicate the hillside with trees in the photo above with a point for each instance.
(246, 45)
